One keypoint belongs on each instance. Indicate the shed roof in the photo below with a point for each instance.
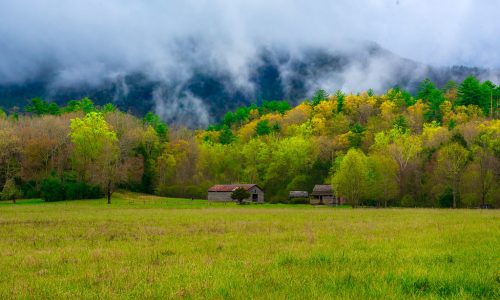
(322, 189)
(298, 194)
(230, 187)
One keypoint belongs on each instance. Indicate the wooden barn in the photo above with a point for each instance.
(298, 194)
(222, 192)
(323, 194)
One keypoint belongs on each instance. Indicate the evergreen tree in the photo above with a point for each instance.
(340, 100)
(226, 136)
(434, 97)
(319, 96)
(470, 92)
(263, 128)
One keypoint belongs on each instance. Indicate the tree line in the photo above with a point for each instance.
(437, 148)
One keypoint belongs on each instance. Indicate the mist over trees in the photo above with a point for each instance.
(437, 148)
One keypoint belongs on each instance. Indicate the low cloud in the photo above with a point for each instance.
(88, 42)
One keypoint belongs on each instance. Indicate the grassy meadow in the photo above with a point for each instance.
(149, 247)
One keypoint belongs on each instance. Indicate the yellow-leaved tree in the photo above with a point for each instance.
(96, 154)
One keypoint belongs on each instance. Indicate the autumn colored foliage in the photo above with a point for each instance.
(437, 148)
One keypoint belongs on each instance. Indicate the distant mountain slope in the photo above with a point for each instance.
(272, 74)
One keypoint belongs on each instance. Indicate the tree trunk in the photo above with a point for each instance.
(108, 192)
(455, 197)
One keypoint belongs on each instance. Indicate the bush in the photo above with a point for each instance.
(407, 201)
(79, 190)
(275, 200)
(369, 203)
(180, 191)
(445, 199)
(303, 200)
(53, 189)
(30, 190)
(195, 191)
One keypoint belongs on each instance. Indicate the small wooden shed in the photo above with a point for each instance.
(298, 194)
(222, 192)
(323, 194)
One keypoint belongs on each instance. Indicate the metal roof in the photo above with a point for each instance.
(299, 194)
(230, 187)
(322, 189)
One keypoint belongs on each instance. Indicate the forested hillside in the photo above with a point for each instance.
(205, 92)
(438, 147)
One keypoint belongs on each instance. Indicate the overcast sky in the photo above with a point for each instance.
(95, 39)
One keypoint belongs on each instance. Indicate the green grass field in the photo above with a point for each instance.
(149, 247)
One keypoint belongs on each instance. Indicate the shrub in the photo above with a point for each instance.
(79, 190)
(445, 199)
(52, 189)
(195, 191)
(30, 190)
(180, 191)
(10, 191)
(407, 201)
(275, 200)
(303, 200)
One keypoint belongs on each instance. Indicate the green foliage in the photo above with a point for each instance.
(351, 178)
(159, 126)
(183, 191)
(262, 128)
(471, 92)
(356, 135)
(91, 136)
(382, 179)
(85, 105)
(54, 189)
(10, 191)
(340, 100)
(401, 123)
(319, 95)
(96, 152)
(404, 154)
(242, 114)
(239, 195)
(226, 136)
(445, 199)
(302, 200)
(109, 107)
(149, 148)
(273, 106)
(228, 119)
(408, 201)
(288, 159)
(30, 190)
(40, 107)
(3, 115)
(434, 97)
(452, 160)
(400, 97)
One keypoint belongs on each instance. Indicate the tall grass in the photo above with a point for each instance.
(149, 247)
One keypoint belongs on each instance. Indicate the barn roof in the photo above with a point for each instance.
(298, 194)
(322, 189)
(230, 187)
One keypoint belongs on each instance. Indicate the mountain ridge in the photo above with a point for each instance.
(274, 73)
